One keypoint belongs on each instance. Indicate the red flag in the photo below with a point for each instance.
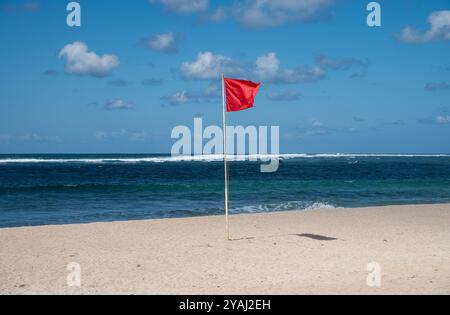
(240, 94)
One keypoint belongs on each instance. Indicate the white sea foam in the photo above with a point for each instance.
(208, 158)
(285, 206)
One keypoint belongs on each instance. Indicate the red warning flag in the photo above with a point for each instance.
(240, 94)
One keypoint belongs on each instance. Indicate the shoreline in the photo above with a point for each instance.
(285, 252)
(232, 215)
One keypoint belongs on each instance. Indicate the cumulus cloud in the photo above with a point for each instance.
(268, 69)
(183, 6)
(267, 65)
(439, 30)
(166, 43)
(436, 86)
(286, 96)
(118, 104)
(210, 66)
(267, 13)
(79, 60)
(179, 98)
(211, 94)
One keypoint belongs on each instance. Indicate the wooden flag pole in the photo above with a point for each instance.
(227, 231)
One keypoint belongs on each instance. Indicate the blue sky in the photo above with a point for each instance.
(136, 69)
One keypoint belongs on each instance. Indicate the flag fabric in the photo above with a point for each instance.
(240, 94)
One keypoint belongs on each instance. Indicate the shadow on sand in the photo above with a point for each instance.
(317, 237)
(307, 235)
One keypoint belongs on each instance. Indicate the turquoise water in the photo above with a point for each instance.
(60, 189)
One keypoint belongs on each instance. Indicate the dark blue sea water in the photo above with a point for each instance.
(60, 189)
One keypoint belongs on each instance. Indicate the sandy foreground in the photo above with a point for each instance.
(325, 251)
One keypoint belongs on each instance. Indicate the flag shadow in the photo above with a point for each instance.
(315, 237)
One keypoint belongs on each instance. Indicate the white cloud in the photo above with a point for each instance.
(263, 13)
(118, 104)
(442, 120)
(179, 98)
(210, 94)
(183, 6)
(268, 69)
(79, 60)
(209, 66)
(439, 29)
(166, 43)
(267, 65)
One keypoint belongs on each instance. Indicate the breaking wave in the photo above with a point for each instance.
(205, 158)
(285, 206)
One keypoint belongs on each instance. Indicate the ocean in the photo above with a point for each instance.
(66, 189)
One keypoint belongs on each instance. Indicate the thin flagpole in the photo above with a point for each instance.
(227, 231)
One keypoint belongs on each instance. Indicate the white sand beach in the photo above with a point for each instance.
(318, 252)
